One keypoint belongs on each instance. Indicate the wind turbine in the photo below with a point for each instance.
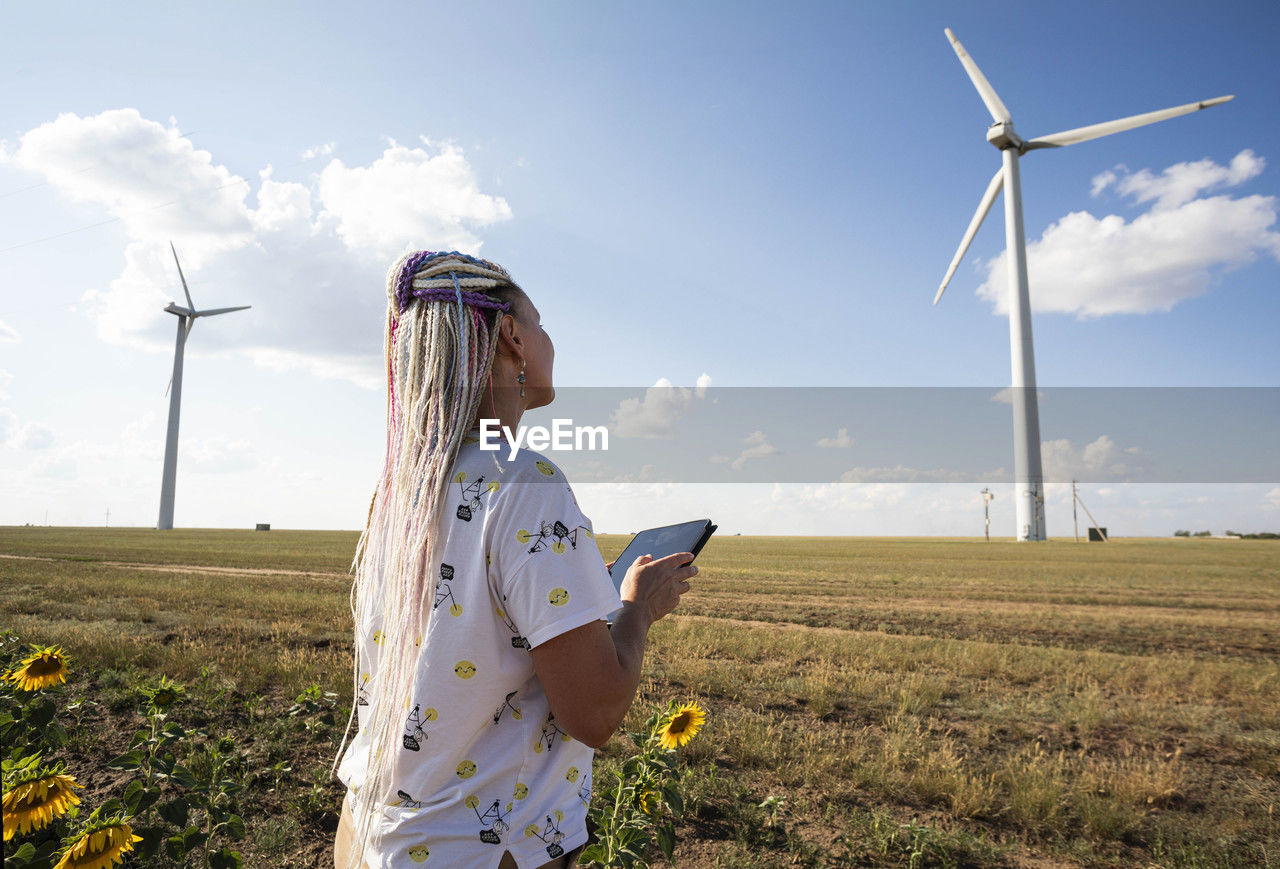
(186, 319)
(1028, 476)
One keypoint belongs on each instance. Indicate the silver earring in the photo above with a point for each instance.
(520, 379)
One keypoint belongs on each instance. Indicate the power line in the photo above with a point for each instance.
(76, 172)
(117, 219)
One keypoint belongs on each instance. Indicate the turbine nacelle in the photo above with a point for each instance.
(174, 308)
(1001, 135)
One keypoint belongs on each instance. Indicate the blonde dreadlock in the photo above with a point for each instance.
(439, 348)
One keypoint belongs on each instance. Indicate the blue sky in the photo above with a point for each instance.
(766, 195)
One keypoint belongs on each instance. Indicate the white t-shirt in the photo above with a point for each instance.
(482, 767)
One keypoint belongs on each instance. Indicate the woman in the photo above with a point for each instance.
(484, 674)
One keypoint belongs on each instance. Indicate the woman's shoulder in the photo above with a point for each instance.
(501, 461)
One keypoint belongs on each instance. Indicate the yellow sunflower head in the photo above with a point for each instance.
(101, 845)
(649, 802)
(35, 798)
(165, 694)
(46, 666)
(681, 725)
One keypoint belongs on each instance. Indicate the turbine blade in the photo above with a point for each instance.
(170, 386)
(988, 199)
(985, 90)
(191, 322)
(190, 304)
(213, 311)
(1094, 131)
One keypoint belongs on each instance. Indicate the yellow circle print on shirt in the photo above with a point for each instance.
(471, 801)
(522, 791)
(558, 597)
(464, 669)
(419, 853)
(466, 769)
(545, 468)
(571, 774)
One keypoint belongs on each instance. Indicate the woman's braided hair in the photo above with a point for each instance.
(441, 338)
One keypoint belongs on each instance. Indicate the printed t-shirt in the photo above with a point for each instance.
(482, 766)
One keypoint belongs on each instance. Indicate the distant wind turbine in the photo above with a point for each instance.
(1028, 476)
(186, 319)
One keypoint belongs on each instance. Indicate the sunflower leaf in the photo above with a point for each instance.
(224, 858)
(235, 827)
(128, 761)
(133, 795)
(667, 841)
(671, 794)
(175, 811)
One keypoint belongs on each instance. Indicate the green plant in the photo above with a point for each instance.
(640, 808)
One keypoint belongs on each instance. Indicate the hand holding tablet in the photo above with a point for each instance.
(676, 544)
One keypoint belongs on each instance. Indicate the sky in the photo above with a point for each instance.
(696, 196)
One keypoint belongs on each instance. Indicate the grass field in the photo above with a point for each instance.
(888, 701)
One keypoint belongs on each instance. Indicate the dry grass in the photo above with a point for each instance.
(910, 702)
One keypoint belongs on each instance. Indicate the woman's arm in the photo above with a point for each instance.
(590, 674)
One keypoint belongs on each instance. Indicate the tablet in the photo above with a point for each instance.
(661, 542)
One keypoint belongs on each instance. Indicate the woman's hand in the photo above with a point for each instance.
(655, 586)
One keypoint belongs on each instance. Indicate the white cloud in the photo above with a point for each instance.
(1005, 396)
(8, 334)
(218, 456)
(406, 195)
(1062, 460)
(757, 446)
(1181, 182)
(904, 474)
(656, 414)
(23, 435)
(1271, 500)
(17, 435)
(5, 379)
(132, 166)
(318, 151)
(840, 441)
(1092, 267)
(310, 258)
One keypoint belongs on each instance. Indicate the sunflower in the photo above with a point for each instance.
(165, 694)
(682, 726)
(100, 847)
(45, 667)
(35, 800)
(648, 802)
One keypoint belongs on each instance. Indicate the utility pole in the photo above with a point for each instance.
(987, 495)
(1075, 521)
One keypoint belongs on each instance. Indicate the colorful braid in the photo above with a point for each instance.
(439, 357)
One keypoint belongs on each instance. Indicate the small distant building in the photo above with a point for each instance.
(263, 526)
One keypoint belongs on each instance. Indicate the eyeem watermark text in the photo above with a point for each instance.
(563, 435)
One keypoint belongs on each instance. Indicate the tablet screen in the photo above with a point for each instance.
(661, 542)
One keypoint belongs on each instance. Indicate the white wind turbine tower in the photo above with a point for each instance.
(1028, 476)
(186, 319)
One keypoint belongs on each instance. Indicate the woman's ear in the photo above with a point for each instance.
(510, 342)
